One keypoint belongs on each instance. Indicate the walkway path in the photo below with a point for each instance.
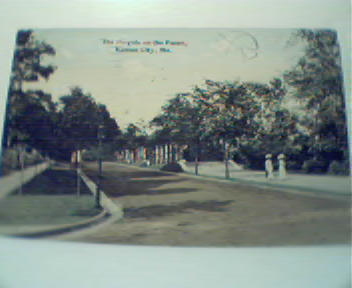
(318, 184)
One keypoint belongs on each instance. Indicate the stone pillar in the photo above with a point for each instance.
(79, 156)
(179, 152)
(171, 149)
(155, 155)
(73, 157)
(161, 151)
(174, 149)
(171, 158)
(166, 153)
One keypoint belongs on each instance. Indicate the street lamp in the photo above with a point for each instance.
(100, 171)
(20, 157)
(227, 152)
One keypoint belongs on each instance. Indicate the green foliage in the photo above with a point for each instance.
(241, 114)
(10, 159)
(90, 155)
(27, 64)
(317, 80)
(33, 117)
(30, 113)
(132, 138)
(315, 166)
(339, 168)
(32, 158)
(181, 121)
(80, 119)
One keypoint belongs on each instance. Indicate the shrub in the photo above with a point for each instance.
(293, 165)
(90, 155)
(10, 159)
(339, 168)
(32, 158)
(11, 162)
(314, 166)
(144, 163)
(172, 167)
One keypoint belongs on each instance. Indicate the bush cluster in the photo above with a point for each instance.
(314, 166)
(339, 168)
(10, 159)
(172, 167)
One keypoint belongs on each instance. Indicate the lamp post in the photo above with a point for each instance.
(227, 148)
(100, 168)
(78, 171)
(20, 155)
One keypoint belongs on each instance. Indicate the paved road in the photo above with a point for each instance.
(170, 209)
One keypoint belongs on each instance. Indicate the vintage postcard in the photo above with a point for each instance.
(177, 137)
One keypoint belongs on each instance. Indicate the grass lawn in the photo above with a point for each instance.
(45, 209)
(48, 199)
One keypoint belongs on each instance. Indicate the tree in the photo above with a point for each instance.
(35, 124)
(26, 107)
(249, 119)
(173, 120)
(317, 80)
(110, 127)
(134, 137)
(81, 118)
(182, 119)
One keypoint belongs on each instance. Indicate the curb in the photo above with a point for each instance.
(66, 227)
(114, 209)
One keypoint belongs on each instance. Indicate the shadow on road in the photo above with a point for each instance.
(184, 207)
(119, 183)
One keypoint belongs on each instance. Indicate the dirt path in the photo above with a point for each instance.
(169, 209)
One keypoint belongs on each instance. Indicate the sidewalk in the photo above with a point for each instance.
(317, 184)
(9, 183)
